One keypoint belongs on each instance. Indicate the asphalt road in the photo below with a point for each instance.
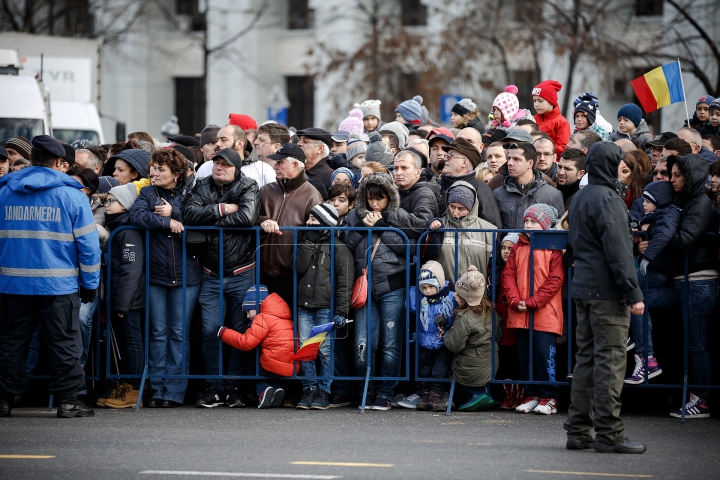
(192, 443)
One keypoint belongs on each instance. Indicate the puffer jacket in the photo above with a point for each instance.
(600, 235)
(418, 204)
(272, 329)
(554, 124)
(662, 225)
(698, 217)
(442, 303)
(205, 207)
(313, 263)
(470, 338)
(388, 265)
(127, 267)
(288, 202)
(475, 248)
(513, 203)
(487, 207)
(640, 136)
(166, 264)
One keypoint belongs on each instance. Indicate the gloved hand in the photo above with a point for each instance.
(221, 331)
(87, 296)
(441, 321)
(643, 266)
(339, 321)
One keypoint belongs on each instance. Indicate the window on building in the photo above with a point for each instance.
(647, 8)
(301, 93)
(190, 103)
(300, 15)
(413, 13)
(525, 81)
(191, 8)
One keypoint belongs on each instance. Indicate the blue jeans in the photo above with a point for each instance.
(87, 313)
(387, 335)
(637, 322)
(544, 368)
(166, 339)
(307, 319)
(233, 293)
(702, 299)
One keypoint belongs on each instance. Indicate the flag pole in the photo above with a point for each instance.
(682, 83)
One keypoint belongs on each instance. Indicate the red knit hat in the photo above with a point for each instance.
(548, 90)
(246, 122)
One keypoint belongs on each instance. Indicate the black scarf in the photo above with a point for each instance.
(569, 190)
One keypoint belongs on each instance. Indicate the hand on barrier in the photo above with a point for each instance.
(221, 331)
(87, 296)
(643, 266)
(441, 320)
(271, 226)
(176, 227)
(339, 321)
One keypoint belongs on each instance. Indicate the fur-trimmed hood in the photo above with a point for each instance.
(385, 182)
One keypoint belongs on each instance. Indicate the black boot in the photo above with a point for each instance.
(73, 407)
(5, 408)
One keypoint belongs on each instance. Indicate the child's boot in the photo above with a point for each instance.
(510, 394)
(480, 399)
(519, 395)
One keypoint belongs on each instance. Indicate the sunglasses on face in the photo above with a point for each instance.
(511, 146)
(664, 173)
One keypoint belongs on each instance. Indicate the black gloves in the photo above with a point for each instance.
(441, 321)
(87, 296)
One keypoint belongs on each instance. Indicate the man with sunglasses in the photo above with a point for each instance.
(524, 186)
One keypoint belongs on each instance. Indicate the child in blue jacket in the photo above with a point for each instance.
(437, 305)
(660, 221)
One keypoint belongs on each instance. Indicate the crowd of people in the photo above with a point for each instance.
(445, 189)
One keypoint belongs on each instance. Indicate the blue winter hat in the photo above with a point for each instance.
(708, 99)
(632, 112)
(106, 183)
(254, 297)
(135, 157)
(347, 172)
(411, 110)
(660, 194)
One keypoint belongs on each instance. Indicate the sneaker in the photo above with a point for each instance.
(382, 403)
(234, 399)
(510, 394)
(519, 397)
(209, 399)
(630, 344)
(695, 408)
(638, 375)
(410, 402)
(338, 400)
(114, 394)
(127, 399)
(306, 400)
(424, 403)
(528, 404)
(266, 397)
(435, 404)
(397, 398)
(320, 402)
(547, 406)
(368, 403)
(277, 399)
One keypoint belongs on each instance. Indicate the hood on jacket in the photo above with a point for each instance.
(453, 223)
(602, 163)
(274, 305)
(384, 181)
(32, 179)
(662, 192)
(136, 158)
(695, 170)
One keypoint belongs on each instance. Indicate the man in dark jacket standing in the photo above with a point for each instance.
(605, 283)
(225, 199)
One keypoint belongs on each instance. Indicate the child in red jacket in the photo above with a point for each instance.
(272, 329)
(545, 302)
(548, 118)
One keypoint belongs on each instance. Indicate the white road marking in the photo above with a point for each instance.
(238, 474)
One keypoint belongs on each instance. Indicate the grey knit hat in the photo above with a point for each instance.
(398, 129)
(370, 108)
(356, 149)
(125, 194)
(377, 151)
(462, 195)
(471, 286)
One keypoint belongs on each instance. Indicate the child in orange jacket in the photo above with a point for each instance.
(272, 329)
(545, 301)
(549, 119)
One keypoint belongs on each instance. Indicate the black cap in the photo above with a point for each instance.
(230, 156)
(69, 154)
(440, 136)
(661, 139)
(185, 152)
(292, 150)
(47, 144)
(209, 134)
(492, 136)
(185, 140)
(3, 153)
(317, 134)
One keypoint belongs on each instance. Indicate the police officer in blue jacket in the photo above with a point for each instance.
(49, 249)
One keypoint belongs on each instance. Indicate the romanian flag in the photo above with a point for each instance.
(309, 349)
(660, 87)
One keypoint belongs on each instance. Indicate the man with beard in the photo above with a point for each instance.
(570, 170)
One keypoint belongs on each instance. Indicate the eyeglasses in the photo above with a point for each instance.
(110, 201)
(663, 173)
(545, 155)
(512, 146)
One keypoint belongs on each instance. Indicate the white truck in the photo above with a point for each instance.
(24, 101)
